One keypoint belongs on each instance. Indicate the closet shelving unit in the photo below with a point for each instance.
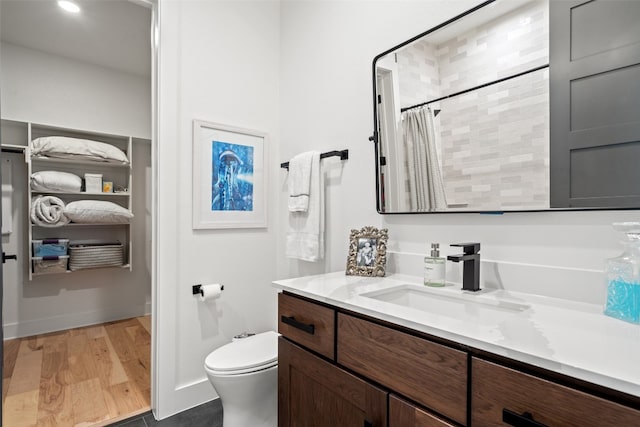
(81, 233)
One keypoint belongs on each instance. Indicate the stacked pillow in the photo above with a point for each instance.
(56, 181)
(97, 211)
(75, 148)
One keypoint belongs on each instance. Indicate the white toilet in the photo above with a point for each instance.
(245, 375)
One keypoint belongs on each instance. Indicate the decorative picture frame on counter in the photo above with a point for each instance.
(229, 177)
(367, 252)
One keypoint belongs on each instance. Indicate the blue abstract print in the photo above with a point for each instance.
(231, 177)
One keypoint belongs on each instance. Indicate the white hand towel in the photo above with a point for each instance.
(299, 180)
(305, 234)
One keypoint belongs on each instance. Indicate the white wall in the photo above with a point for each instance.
(43, 88)
(327, 51)
(219, 63)
(326, 103)
(49, 89)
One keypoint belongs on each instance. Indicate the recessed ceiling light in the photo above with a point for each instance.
(69, 6)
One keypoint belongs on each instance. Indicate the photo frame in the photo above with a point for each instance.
(367, 252)
(229, 177)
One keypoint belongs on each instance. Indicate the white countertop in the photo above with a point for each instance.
(571, 338)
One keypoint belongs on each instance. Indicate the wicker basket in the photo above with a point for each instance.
(95, 255)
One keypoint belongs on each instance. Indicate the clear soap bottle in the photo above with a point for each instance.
(623, 277)
(434, 268)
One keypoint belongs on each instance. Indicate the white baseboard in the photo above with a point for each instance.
(186, 396)
(71, 320)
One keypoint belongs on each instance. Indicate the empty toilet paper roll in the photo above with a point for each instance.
(210, 292)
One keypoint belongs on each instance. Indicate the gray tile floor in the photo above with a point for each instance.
(206, 415)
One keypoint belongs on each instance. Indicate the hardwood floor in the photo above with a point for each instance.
(90, 376)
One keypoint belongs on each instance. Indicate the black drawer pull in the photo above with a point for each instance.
(517, 420)
(368, 423)
(310, 329)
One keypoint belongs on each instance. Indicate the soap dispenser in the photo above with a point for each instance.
(623, 276)
(434, 268)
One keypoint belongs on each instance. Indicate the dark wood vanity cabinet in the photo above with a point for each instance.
(307, 323)
(314, 390)
(405, 414)
(368, 373)
(315, 393)
(428, 373)
(499, 392)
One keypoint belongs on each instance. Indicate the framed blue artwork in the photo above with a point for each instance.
(229, 178)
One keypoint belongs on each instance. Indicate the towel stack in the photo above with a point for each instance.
(305, 235)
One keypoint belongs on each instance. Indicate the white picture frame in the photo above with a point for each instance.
(229, 176)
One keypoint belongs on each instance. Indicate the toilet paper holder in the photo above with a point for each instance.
(197, 289)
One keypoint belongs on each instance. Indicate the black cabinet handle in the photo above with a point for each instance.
(517, 420)
(368, 423)
(308, 328)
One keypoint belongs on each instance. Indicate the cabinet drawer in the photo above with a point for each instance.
(306, 323)
(428, 373)
(315, 393)
(496, 390)
(404, 414)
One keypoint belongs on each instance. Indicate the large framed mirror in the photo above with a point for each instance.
(462, 112)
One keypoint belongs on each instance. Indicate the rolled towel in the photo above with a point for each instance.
(48, 211)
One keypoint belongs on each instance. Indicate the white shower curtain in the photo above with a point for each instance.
(425, 185)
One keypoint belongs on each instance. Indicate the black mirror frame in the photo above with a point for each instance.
(375, 137)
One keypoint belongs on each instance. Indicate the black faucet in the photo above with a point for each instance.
(471, 266)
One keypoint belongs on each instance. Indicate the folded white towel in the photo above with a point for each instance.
(48, 211)
(305, 234)
(299, 180)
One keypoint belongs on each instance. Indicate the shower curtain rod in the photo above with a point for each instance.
(462, 92)
(343, 154)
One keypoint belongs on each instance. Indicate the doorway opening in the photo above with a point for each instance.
(77, 338)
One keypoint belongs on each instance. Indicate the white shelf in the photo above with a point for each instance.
(81, 193)
(76, 224)
(115, 171)
(66, 161)
(122, 267)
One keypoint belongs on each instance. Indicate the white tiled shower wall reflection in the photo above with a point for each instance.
(495, 140)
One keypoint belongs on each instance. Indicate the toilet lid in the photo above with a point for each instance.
(255, 351)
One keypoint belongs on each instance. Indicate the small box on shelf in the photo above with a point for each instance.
(93, 182)
(50, 247)
(50, 264)
(107, 187)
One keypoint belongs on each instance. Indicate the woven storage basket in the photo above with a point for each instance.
(95, 256)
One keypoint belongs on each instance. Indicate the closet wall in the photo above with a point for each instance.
(47, 89)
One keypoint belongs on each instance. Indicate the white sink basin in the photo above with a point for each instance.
(462, 306)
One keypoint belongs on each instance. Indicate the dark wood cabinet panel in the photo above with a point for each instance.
(315, 393)
(309, 324)
(404, 414)
(428, 373)
(496, 388)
